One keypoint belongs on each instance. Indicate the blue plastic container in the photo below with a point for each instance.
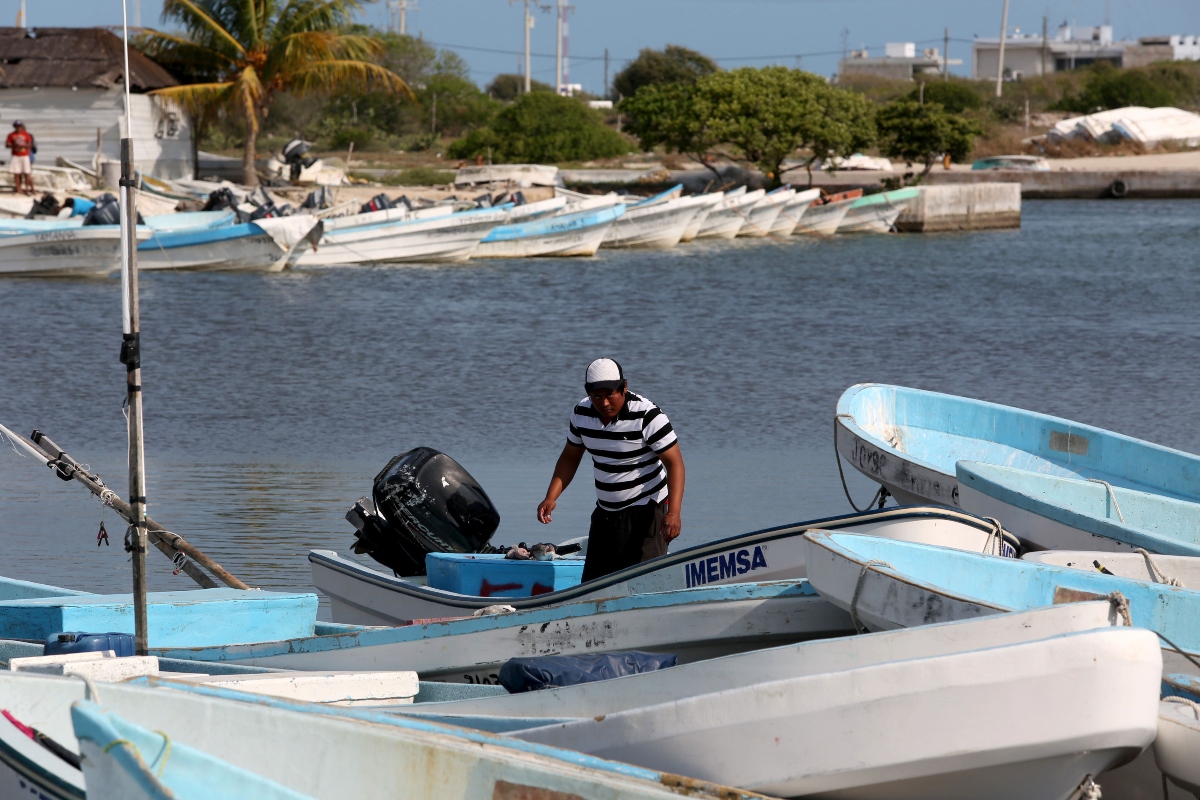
(80, 642)
(496, 576)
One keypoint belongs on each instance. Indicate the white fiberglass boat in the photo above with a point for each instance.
(693, 228)
(724, 221)
(762, 215)
(90, 251)
(577, 234)
(448, 238)
(654, 224)
(791, 212)
(266, 245)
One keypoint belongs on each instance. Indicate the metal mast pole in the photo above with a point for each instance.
(606, 72)
(558, 50)
(1000, 61)
(566, 49)
(131, 358)
(946, 57)
(528, 28)
(403, 17)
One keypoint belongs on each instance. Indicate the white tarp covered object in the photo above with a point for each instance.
(288, 231)
(520, 175)
(1149, 126)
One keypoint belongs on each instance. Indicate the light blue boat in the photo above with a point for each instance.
(126, 761)
(909, 441)
(577, 234)
(163, 223)
(693, 624)
(1061, 513)
(266, 245)
(195, 618)
(661, 197)
(888, 584)
(309, 750)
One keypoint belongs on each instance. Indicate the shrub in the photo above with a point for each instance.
(1107, 87)
(674, 64)
(542, 127)
(954, 96)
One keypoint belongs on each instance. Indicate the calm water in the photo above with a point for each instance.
(272, 400)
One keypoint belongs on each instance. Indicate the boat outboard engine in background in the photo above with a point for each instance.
(295, 155)
(422, 502)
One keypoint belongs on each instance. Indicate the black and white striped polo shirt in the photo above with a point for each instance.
(625, 452)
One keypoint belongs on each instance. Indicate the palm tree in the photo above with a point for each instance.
(239, 53)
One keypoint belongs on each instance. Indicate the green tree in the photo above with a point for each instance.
(675, 116)
(923, 133)
(1108, 87)
(762, 114)
(509, 87)
(542, 127)
(954, 96)
(674, 64)
(246, 51)
(844, 125)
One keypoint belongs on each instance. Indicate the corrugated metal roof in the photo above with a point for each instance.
(65, 57)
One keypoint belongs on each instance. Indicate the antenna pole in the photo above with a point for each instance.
(528, 28)
(131, 358)
(1000, 60)
(558, 50)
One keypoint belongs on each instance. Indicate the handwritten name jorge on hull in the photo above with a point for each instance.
(726, 565)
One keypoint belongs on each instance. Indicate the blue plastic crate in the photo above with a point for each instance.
(496, 576)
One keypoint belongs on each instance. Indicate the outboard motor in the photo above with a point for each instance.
(422, 502)
(295, 155)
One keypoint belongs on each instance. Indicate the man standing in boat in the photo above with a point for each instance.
(638, 468)
(20, 142)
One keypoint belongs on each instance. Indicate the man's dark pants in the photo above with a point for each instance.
(620, 539)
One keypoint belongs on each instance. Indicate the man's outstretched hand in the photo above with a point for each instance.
(545, 509)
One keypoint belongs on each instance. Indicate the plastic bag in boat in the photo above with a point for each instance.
(528, 674)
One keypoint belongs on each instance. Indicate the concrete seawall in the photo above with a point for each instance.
(1063, 184)
(965, 207)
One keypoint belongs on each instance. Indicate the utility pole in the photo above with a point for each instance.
(558, 50)
(400, 9)
(1045, 31)
(528, 26)
(1000, 60)
(946, 57)
(21, 16)
(566, 48)
(845, 38)
(606, 72)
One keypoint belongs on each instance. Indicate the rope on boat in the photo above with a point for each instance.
(1121, 605)
(996, 533)
(867, 567)
(880, 497)
(1087, 789)
(1183, 701)
(1112, 495)
(1157, 574)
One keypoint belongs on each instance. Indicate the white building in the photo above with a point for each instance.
(900, 62)
(1028, 54)
(67, 86)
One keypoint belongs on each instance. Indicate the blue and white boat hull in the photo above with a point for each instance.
(364, 596)
(692, 624)
(578, 234)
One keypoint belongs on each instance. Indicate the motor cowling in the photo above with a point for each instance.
(423, 502)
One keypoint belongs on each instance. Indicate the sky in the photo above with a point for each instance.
(805, 33)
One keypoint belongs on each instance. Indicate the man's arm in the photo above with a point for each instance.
(676, 476)
(564, 472)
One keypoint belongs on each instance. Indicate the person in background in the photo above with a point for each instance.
(639, 472)
(20, 142)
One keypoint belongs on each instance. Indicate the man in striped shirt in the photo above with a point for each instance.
(638, 468)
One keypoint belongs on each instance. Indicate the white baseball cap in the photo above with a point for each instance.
(603, 373)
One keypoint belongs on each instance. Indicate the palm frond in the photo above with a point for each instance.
(310, 15)
(344, 73)
(198, 20)
(196, 98)
(162, 46)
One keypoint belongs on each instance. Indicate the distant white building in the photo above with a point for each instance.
(67, 85)
(900, 61)
(1028, 54)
